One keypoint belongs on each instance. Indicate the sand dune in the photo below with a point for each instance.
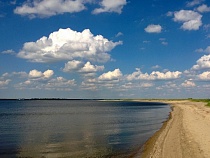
(185, 135)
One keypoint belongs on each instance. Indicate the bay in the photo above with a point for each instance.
(77, 128)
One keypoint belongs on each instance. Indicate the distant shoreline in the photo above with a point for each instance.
(139, 100)
(61, 99)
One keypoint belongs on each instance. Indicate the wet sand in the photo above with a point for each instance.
(185, 135)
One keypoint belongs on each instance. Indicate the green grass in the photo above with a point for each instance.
(202, 100)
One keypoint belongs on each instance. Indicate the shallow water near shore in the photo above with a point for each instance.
(77, 128)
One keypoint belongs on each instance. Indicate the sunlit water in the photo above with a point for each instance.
(76, 128)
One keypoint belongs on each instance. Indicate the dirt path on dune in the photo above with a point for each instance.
(185, 135)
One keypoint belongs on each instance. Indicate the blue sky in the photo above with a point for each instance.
(104, 49)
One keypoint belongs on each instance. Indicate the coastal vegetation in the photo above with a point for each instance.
(201, 100)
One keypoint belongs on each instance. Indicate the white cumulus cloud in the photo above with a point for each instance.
(188, 83)
(66, 44)
(78, 66)
(89, 68)
(155, 75)
(48, 73)
(73, 65)
(204, 76)
(47, 8)
(153, 28)
(35, 74)
(4, 83)
(186, 15)
(203, 8)
(202, 63)
(110, 6)
(111, 75)
(192, 25)
(191, 20)
(38, 74)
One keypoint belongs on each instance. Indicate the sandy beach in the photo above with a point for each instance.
(185, 135)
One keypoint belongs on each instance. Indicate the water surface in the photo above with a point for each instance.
(77, 128)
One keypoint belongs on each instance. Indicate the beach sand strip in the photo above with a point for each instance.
(186, 134)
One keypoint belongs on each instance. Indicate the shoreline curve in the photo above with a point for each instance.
(184, 135)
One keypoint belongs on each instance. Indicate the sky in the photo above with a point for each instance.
(104, 49)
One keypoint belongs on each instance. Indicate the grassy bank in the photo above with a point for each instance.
(202, 100)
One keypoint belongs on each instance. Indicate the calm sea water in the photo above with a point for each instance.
(76, 128)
